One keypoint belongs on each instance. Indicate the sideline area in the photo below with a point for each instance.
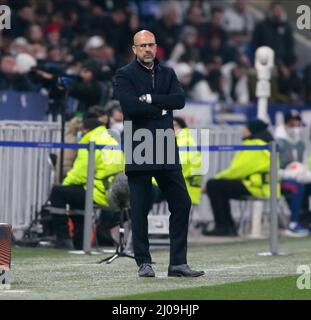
(56, 274)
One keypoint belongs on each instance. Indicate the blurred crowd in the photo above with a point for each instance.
(78, 45)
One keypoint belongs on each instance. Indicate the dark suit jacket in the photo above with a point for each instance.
(134, 80)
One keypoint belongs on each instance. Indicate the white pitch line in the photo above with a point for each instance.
(235, 267)
(3, 292)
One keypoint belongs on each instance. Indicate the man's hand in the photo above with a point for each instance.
(147, 98)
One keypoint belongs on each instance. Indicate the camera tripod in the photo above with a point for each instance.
(120, 250)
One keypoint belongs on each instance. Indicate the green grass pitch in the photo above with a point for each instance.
(233, 271)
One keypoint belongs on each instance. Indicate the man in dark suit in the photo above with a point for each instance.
(148, 92)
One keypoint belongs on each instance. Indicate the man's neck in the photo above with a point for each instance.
(149, 66)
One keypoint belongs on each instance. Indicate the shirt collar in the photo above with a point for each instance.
(148, 68)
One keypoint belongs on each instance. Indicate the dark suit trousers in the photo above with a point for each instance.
(173, 187)
(220, 191)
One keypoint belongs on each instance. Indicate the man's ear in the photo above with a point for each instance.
(134, 49)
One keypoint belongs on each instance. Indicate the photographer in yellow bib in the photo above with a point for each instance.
(247, 175)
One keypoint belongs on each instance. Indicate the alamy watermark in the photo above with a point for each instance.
(304, 19)
(304, 280)
(158, 147)
(5, 17)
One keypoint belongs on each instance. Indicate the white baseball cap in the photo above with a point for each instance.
(24, 62)
(94, 42)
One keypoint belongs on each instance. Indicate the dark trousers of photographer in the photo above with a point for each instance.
(74, 196)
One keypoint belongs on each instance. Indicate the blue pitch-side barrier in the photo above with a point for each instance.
(52, 145)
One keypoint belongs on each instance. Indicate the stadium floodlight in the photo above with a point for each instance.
(264, 63)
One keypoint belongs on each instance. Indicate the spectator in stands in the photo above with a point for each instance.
(213, 75)
(276, 33)
(186, 49)
(72, 191)
(214, 27)
(194, 84)
(195, 18)
(38, 51)
(88, 90)
(74, 23)
(147, 10)
(97, 49)
(247, 175)
(54, 55)
(167, 29)
(117, 29)
(235, 84)
(11, 77)
(289, 82)
(239, 41)
(216, 47)
(94, 47)
(19, 45)
(22, 17)
(53, 34)
(24, 63)
(291, 148)
(35, 34)
(239, 18)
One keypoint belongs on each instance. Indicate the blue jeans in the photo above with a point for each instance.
(294, 192)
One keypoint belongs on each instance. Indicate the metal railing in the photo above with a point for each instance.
(214, 148)
(25, 174)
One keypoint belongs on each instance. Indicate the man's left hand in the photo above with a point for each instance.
(147, 98)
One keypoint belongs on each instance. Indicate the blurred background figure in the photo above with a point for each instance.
(73, 135)
(13, 73)
(292, 173)
(167, 28)
(194, 83)
(239, 18)
(88, 90)
(276, 33)
(186, 50)
(247, 175)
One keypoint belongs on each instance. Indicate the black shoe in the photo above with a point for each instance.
(221, 232)
(183, 270)
(145, 270)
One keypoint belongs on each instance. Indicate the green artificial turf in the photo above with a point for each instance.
(57, 274)
(283, 288)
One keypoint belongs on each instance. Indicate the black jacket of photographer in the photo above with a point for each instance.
(134, 80)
